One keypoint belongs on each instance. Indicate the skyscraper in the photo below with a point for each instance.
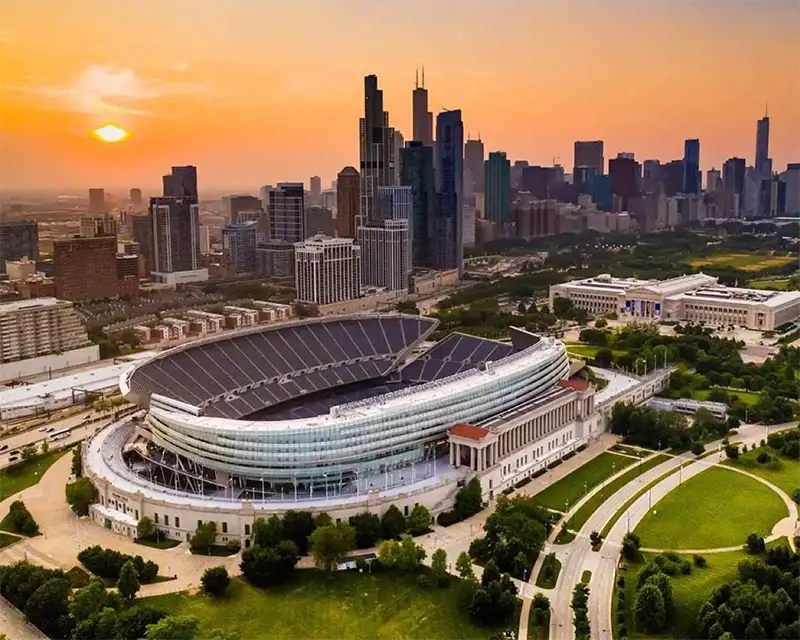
(498, 188)
(315, 190)
(691, 166)
(348, 197)
(416, 171)
(447, 237)
(97, 200)
(136, 196)
(398, 142)
(473, 160)
(651, 175)
(18, 239)
(376, 148)
(713, 179)
(624, 173)
(236, 206)
(239, 247)
(327, 270)
(733, 179)
(763, 163)
(181, 183)
(397, 203)
(85, 268)
(286, 212)
(176, 240)
(589, 153)
(423, 119)
(385, 261)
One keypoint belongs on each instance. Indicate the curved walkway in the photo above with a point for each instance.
(602, 589)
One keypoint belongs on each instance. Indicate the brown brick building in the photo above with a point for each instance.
(85, 268)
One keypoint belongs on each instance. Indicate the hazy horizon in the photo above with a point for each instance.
(259, 92)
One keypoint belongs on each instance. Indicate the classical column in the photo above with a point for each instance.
(472, 458)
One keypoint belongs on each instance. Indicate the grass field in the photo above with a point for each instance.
(716, 508)
(589, 350)
(782, 472)
(745, 397)
(7, 539)
(340, 605)
(752, 262)
(586, 576)
(582, 515)
(633, 499)
(573, 487)
(26, 474)
(691, 592)
(774, 285)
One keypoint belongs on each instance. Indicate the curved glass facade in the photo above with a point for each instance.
(365, 437)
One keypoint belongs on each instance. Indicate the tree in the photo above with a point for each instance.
(604, 357)
(267, 533)
(732, 451)
(595, 538)
(28, 451)
(698, 449)
(468, 499)
(439, 567)
(755, 630)
(331, 543)
(541, 610)
(81, 494)
(274, 565)
(630, 546)
(173, 628)
(755, 543)
(410, 555)
(392, 523)
(649, 611)
(215, 581)
(48, 607)
(44, 447)
(88, 601)
(132, 623)
(128, 583)
(419, 520)
(601, 323)
(21, 520)
(297, 526)
(368, 529)
(464, 566)
(204, 538)
(662, 582)
(323, 520)
(145, 528)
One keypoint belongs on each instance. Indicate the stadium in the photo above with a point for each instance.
(329, 413)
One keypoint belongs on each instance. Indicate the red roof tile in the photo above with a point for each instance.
(469, 431)
(579, 384)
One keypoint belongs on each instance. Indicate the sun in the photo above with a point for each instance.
(110, 133)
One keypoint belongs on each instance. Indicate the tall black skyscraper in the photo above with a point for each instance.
(416, 171)
(448, 245)
(763, 164)
(691, 166)
(18, 239)
(422, 118)
(376, 148)
(181, 183)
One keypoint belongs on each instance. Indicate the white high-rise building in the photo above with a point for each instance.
(327, 270)
(385, 255)
(396, 203)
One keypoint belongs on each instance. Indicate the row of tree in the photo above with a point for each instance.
(108, 564)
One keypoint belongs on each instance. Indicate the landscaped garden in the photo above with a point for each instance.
(751, 262)
(715, 508)
(343, 604)
(567, 491)
(582, 515)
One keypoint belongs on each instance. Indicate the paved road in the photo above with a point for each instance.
(603, 564)
(34, 436)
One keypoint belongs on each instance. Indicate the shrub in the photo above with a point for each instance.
(699, 561)
(732, 451)
(215, 581)
(21, 519)
(447, 518)
(698, 449)
(763, 458)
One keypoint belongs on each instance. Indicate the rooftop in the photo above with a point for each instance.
(21, 305)
(469, 431)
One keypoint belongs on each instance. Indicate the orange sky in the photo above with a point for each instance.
(261, 91)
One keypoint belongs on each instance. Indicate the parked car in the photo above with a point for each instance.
(50, 429)
(4, 447)
(13, 459)
(43, 429)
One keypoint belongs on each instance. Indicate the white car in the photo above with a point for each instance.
(42, 429)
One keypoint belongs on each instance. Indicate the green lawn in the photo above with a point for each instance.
(586, 576)
(751, 262)
(573, 487)
(775, 285)
(716, 508)
(582, 515)
(691, 592)
(745, 397)
(633, 499)
(548, 574)
(7, 539)
(340, 605)
(782, 472)
(5, 525)
(589, 350)
(26, 474)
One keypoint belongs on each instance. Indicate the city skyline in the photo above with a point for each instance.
(279, 114)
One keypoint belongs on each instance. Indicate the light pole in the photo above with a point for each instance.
(649, 499)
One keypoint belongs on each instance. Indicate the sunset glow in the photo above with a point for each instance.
(110, 133)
